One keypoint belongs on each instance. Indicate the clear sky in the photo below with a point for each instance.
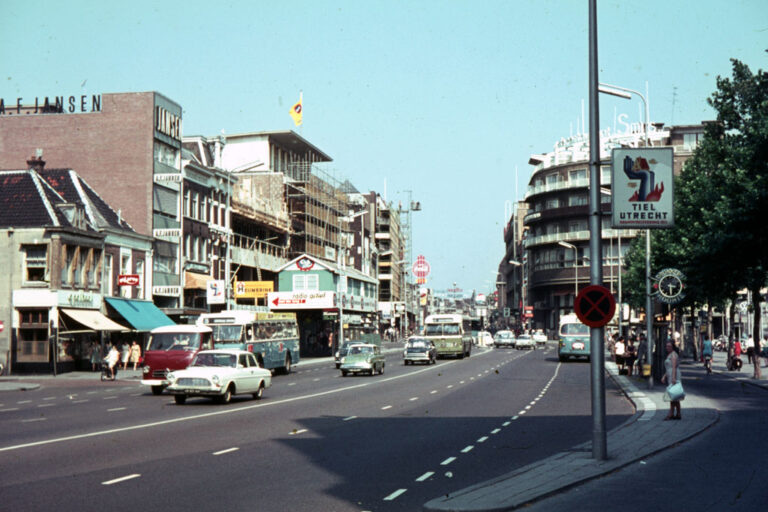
(445, 99)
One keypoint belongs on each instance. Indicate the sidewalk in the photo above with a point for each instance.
(643, 435)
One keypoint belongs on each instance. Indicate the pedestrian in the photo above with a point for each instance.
(135, 354)
(618, 353)
(95, 355)
(737, 348)
(750, 349)
(629, 356)
(125, 353)
(671, 377)
(112, 359)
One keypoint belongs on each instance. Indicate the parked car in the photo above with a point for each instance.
(343, 351)
(539, 337)
(504, 339)
(363, 358)
(219, 374)
(484, 339)
(524, 341)
(419, 350)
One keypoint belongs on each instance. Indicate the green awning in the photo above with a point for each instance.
(141, 314)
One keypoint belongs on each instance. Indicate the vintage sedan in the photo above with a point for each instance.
(504, 339)
(363, 358)
(343, 351)
(524, 341)
(219, 374)
(540, 338)
(419, 350)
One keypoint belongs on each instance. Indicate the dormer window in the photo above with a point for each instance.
(74, 214)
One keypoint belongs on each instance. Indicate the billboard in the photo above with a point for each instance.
(642, 188)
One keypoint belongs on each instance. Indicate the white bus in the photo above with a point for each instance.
(448, 334)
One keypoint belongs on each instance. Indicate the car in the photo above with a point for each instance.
(539, 337)
(343, 351)
(219, 374)
(363, 358)
(524, 341)
(504, 339)
(484, 339)
(419, 350)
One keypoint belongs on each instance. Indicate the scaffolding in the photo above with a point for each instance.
(318, 206)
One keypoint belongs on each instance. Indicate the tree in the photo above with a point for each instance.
(720, 240)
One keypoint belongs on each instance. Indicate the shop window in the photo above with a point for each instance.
(35, 263)
(306, 282)
(33, 336)
(140, 273)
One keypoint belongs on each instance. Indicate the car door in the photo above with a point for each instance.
(246, 374)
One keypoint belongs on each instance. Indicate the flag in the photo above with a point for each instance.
(296, 111)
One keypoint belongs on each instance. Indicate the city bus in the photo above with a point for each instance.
(169, 348)
(272, 337)
(449, 336)
(574, 338)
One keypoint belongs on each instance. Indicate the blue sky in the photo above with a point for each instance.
(443, 99)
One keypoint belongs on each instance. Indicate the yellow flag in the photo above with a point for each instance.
(296, 111)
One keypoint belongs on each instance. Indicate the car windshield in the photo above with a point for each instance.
(417, 346)
(361, 350)
(227, 333)
(174, 341)
(207, 359)
(579, 328)
(441, 329)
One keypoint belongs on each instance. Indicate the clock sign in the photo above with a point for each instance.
(670, 286)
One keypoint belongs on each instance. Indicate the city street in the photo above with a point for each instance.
(316, 441)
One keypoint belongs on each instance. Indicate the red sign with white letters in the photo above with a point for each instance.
(128, 280)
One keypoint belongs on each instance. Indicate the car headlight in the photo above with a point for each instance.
(216, 380)
(171, 377)
(343, 359)
(146, 369)
(337, 354)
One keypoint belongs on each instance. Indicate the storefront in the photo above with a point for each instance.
(55, 330)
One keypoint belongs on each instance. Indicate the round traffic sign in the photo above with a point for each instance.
(595, 305)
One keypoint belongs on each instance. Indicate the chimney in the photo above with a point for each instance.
(36, 164)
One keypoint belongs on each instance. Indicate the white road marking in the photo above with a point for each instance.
(296, 432)
(46, 405)
(514, 418)
(425, 476)
(413, 399)
(116, 409)
(386, 407)
(349, 418)
(80, 401)
(395, 494)
(50, 398)
(228, 450)
(24, 401)
(109, 397)
(482, 439)
(461, 382)
(520, 413)
(467, 449)
(506, 424)
(433, 392)
(448, 461)
(34, 419)
(449, 386)
(495, 431)
(9, 409)
(121, 479)
(292, 384)
(233, 410)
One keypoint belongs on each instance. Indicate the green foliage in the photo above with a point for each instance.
(720, 238)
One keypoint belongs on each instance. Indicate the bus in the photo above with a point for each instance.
(169, 348)
(449, 336)
(272, 337)
(574, 338)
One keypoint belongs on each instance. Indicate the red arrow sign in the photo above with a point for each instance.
(279, 301)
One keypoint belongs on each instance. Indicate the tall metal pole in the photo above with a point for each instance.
(597, 353)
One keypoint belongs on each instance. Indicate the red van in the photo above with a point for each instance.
(172, 347)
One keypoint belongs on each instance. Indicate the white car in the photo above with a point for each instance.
(219, 374)
(539, 337)
(484, 339)
(524, 341)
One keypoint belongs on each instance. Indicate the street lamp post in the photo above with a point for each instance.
(575, 268)
(522, 294)
(623, 92)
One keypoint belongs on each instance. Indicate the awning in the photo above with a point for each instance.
(141, 314)
(93, 319)
(196, 281)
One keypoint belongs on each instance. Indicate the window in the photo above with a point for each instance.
(691, 140)
(33, 336)
(140, 272)
(166, 154)
(577, 225)
(35, 263)
(552, 179)
(605, 175)
(306, 282)
(578, 200)
(578, 174)
(108, 282)
(552, 204)
(195, 214)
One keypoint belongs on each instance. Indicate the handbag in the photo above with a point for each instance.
(675, 392)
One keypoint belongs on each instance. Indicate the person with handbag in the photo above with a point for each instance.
(671, 378)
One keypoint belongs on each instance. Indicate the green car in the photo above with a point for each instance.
(362, 358)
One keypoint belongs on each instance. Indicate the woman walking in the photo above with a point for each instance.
(672, 377)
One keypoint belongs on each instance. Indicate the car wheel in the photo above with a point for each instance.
(258, 394)
(343, 373)
(156, 390)
(227, 396)
(338, 365)
(405, 363)
(180, 399)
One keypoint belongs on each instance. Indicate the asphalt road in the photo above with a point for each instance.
(316, 441)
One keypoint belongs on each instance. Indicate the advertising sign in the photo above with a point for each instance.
(642, 188)
(301, 300)
(253, 289)
(421, 269)
(215, 291)
(128, 280)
